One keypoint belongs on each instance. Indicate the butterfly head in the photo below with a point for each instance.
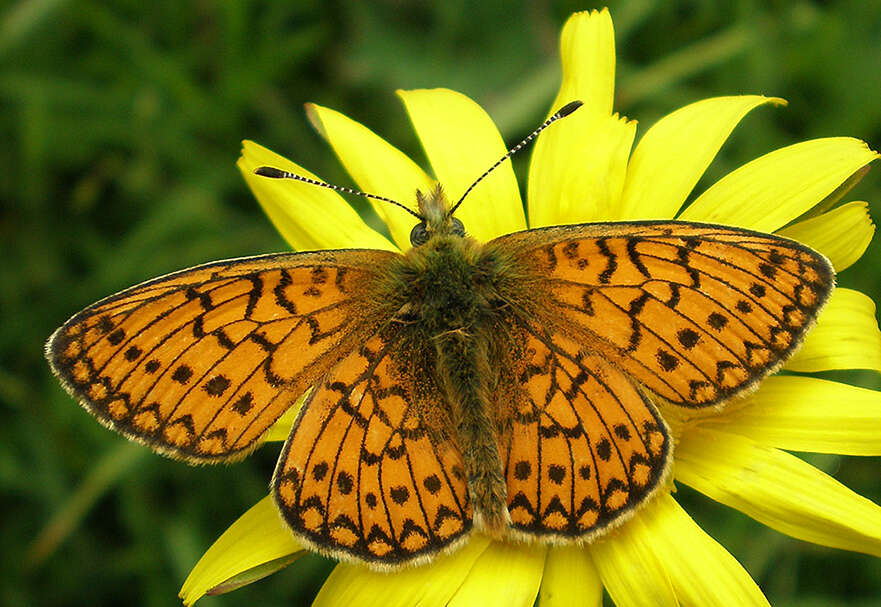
(435, 217)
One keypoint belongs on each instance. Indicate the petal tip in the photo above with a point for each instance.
(624, 119)
(591, 13)
(867, 148)
(312, 114)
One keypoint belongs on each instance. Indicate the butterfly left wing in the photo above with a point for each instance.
(199, 363)
(696, 313)
(368, 473)
(583, 447)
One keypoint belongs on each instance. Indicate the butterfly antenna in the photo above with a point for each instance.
(561, 113)
(274, 173)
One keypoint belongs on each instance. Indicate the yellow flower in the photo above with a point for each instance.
(584, 170)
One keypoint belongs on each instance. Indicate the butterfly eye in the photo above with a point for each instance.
(419, 234)
(458, 227)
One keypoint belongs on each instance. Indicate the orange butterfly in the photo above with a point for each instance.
(506, 386)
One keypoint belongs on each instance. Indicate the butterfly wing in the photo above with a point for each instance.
(696, 313)
(693, 313)
(584, 447)
(363, 476)
(199, 363)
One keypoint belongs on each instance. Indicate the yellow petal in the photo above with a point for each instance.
(701, 571)
(570, 579)
(779, 490)
(838, 193)
(808, 414)
(429, 585)
(632, 571)
(673, 154)
(462, 142)
(842, 235)
(578, 170)
(507, 575)
(307, 216)
(846, 336)
(587, 52)
(376, 166)
(772, 190)
(280, 430)
(257, 539)
(578, 166)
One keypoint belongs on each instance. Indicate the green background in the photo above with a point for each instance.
(120, 129)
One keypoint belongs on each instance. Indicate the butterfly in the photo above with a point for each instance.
(509, 386)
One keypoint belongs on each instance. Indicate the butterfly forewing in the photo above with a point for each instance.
(585, 446)
(200, 363)
(695, 313)
(361, 475)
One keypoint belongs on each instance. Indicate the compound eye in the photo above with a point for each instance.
(458, 227)
(419, 234)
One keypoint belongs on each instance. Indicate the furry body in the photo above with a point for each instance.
(447, 285)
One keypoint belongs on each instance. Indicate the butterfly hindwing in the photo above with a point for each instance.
(584, 448)
(362, 476)
(696, 313)
(199, 363)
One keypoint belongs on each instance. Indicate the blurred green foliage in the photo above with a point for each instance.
(122, 125)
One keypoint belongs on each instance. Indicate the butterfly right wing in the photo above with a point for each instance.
(199, 363)
(368, 473)
(613, 313)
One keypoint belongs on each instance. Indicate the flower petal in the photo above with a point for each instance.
(843, 234)
(673, 154)
(587, 52)
(563, 190)
(256, 545)
(462, 142)
(701, 571)
(376, 166)
(808, 414)
(281, 429)
(772, 190)
(428, 585)
(662, 557)
(578, 167)
(307, 216)
(570, 579)
(779, 490)
(505, 575)
(846, 336)
(631, 569)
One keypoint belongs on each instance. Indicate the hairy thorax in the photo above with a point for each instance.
(445, 286)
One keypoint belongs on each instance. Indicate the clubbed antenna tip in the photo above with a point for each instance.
(569, 108)
(271, 172)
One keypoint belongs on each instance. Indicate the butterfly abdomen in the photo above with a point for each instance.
(463, 368)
